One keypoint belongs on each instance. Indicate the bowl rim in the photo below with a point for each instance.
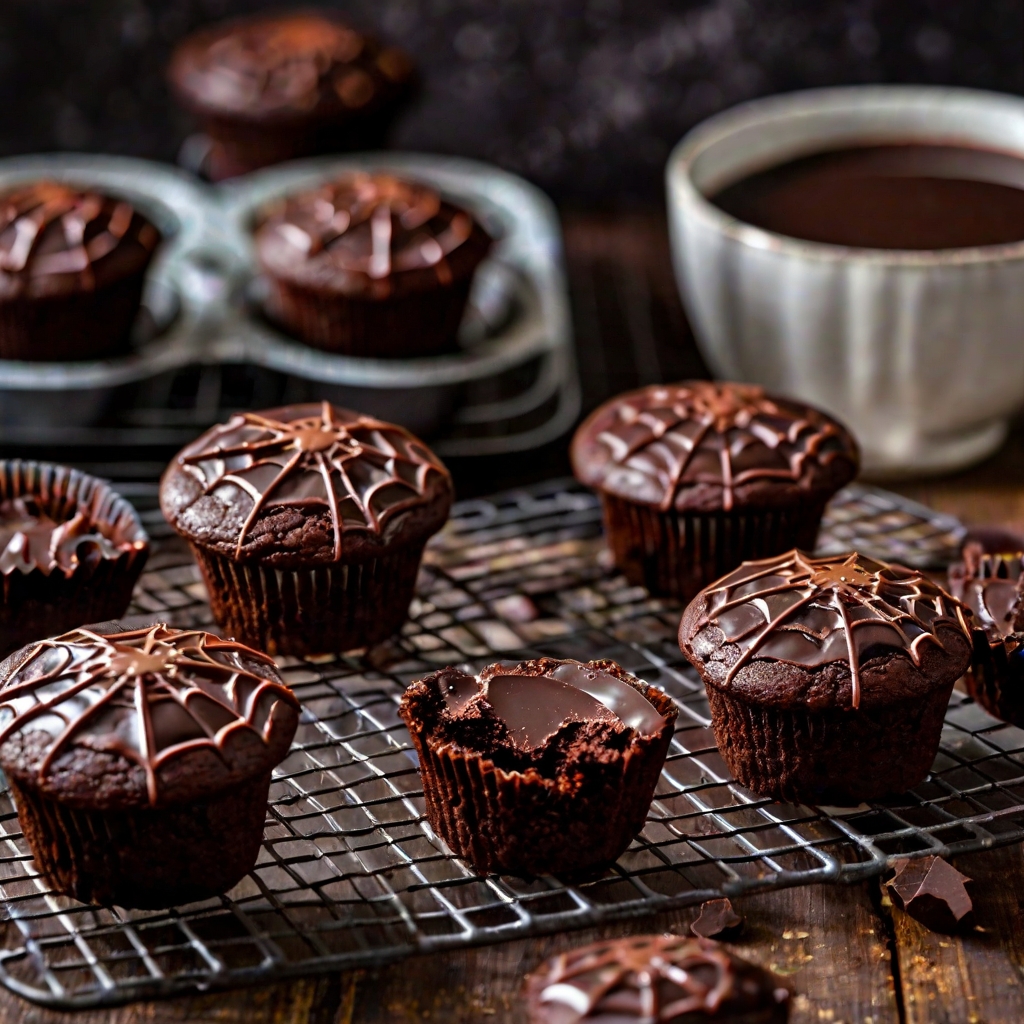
(683, 194)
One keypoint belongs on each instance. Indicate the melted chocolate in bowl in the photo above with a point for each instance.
(902, 196)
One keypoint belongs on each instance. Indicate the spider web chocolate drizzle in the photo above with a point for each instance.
(91, 227)
(584, 978)
(701, 432)
(813, 611)
(374, 225)
(360, 469)
(149, 695)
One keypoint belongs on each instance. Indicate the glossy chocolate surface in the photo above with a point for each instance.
(358, 470)
(291, 64)
(55, 238)
(812, 611)
(533, 707)
(149, 695)
(650, 978)
(989, 584)
(30, 539)
(651, 445)
(888, 197)
(363, 228)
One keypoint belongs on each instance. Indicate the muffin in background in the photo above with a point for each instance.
(71, 551)
(72, 268)
(370, 265)
(308, 523)
(546, 767)
(671, 979)
(989, 579)
(280, 86)
(140, 761)
(828, 678)
(697, 477)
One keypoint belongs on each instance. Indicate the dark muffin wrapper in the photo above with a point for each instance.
(72, 327)
(36, 604)
(521, 823)
(677, 554)
(996, 676)
(319, 610)
(833, 756)
(147, 858)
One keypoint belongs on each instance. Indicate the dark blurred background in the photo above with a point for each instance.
(584, 97)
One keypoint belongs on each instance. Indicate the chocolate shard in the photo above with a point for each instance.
(717, 920)
(933, 892)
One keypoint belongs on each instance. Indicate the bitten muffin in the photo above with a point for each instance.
(990, 584)
(277, 87)
(71, 550)
(670, 979)
(72, 267)
(369, 265)
(308, 523)
(546, 767)
(828, 678)
(140, 761)
(697, 477)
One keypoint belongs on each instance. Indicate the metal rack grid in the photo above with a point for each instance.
(350, 873)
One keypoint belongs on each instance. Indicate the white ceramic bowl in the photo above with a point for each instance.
(920, 353)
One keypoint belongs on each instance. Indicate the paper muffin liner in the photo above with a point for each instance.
(400, 327)
(834, 756)
(35, 604)
(148, 857)
(996, 676)
(524, 824)
(677, 554)
(320, 610)
(81, 325)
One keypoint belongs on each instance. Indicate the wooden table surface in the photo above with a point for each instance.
(851, 956)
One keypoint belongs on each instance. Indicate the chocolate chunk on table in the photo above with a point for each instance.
(933, 892)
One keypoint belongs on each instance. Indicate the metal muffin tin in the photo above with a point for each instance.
(201, 304)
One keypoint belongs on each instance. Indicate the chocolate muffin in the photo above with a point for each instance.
(546, 767)
(697, 477)
(670, 979)
(308, 523)
(369, 265)
(990, 583)
(72, 266)
(828, 678)
(140, 761)
(277, 87)
(71, 550)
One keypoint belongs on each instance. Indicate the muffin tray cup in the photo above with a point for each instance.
(350, 873)
(201, 304)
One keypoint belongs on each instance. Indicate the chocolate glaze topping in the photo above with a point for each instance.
(990, 585)
(811, 611)
(30, 539)
(367, 227)
(292, 64)
(651, 445)
(360, 471)
(53, 236)
(535, 706)
(149, 695)
(651, 978)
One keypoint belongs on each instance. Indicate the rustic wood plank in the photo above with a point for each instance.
(975, 978)
(828, 940)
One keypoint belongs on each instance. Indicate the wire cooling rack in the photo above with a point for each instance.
(350, 873)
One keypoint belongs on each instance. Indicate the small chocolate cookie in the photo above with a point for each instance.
(72, 267)
(369, 265)
(696, 477)
(546, 767)
(140, 761)
(828, 678)
(670, 979)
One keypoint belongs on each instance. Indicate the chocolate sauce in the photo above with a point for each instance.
(899, 196)
(989, 584)
(30, 539)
